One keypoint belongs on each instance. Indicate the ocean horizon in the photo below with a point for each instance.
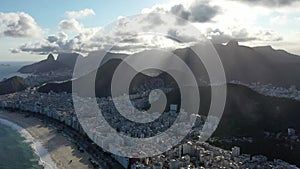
(10, 69)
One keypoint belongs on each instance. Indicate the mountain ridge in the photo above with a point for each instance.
(11, 85)
(242, 63)
(44, 66)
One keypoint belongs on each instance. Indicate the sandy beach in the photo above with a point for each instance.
(62, 152)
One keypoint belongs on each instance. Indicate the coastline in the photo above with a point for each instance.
(43, 154)
(54, 150)
(10, 69)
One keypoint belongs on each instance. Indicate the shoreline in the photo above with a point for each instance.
(12, 69)
(43, 154)
(53, 148)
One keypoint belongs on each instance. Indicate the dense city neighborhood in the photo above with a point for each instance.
(189, 154)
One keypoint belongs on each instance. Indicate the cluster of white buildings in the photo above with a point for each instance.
(52, 105)
(199, 155)
(270, 90)
(39, 79)
(104, 133)
(189, 154)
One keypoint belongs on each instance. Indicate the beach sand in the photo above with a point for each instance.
(62, 152)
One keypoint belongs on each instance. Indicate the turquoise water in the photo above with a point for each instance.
(15, 153)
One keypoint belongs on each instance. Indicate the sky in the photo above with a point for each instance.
(29, 30)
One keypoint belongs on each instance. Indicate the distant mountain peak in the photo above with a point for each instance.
(233, 43)
(69, 59)
(50, 57)
(44, 66)
(268, 47)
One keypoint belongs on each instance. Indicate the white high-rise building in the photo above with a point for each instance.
(235, 151)
(173, 107)
(187, 148)
(180, 151)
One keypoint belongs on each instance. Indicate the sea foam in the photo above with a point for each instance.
(42, 152)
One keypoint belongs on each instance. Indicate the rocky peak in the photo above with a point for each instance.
(50, 57)
(233, 43)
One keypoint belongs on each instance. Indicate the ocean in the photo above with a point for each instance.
(15, 152)
(9, 69)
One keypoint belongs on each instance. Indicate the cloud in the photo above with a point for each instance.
(268, 36)
(242, 35)
(202, 11)
(53, 43)
(279, 20)
(218, 36)
(18, 25)
(93, 39)
(43, 47)
(80, 14)
(15, 50)
(59, 38)
(71, 25)
(87, 40)
(154, 19)
(178, 36)
(198, 11)
(137, 35)
(269, 3)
